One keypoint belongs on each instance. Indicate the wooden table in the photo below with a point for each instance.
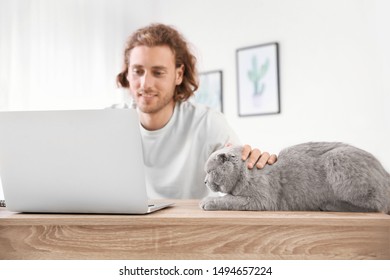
(186, 232)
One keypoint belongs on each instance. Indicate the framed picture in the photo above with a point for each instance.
(258, 80)
(209, 92)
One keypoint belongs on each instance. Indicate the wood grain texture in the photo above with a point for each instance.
(186, 232)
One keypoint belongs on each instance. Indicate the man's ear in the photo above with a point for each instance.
(179, 74)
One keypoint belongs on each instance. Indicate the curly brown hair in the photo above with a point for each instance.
(164, 35)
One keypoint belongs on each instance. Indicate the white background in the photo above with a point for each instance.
(281, 270)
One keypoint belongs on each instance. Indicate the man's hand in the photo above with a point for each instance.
(256, 157)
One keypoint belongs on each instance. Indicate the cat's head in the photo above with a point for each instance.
(223, 169)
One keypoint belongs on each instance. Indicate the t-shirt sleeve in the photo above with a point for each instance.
(219, 132)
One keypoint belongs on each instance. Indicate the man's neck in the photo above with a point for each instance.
(157, 120)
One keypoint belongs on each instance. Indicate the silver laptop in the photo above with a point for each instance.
(84, 161)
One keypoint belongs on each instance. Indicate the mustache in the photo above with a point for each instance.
(143, 91)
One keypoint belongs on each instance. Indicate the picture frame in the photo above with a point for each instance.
(258, 85)
(210, 91)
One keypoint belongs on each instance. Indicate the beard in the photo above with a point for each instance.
(152, 102)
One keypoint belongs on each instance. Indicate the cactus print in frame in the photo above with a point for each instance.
(209, 92)
(258, 80)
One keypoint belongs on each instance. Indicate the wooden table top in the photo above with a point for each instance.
(184, 211)
(185, 231)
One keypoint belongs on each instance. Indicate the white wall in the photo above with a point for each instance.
(333, 66)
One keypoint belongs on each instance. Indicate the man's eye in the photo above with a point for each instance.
(158, 73)
(138, 71)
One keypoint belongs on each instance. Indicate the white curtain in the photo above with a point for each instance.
(63, 54)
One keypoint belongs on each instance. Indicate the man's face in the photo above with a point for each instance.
(153, 76)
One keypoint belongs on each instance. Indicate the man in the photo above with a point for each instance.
(177, 136)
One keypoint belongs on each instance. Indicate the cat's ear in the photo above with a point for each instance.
(222, 158)
(225, 157)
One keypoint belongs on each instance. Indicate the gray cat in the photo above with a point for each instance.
(306, 177)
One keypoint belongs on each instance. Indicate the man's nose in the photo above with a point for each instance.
(146, 81)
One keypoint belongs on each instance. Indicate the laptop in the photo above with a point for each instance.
(75, 161)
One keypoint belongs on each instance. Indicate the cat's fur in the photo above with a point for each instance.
(306, 177)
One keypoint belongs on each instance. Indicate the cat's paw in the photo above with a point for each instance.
(209, 204)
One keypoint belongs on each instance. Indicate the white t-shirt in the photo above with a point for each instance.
(175, 155)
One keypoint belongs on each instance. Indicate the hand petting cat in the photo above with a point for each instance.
(255, 157)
